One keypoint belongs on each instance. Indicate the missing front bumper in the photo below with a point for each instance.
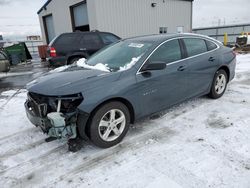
(55, 124)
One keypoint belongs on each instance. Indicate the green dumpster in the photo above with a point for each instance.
(18, 53)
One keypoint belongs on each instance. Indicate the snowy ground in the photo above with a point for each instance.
(200, 143)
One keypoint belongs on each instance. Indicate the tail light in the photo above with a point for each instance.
(52, 52)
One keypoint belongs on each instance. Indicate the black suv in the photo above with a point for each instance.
(69, 47)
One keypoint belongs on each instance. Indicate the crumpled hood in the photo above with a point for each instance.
(70, 82)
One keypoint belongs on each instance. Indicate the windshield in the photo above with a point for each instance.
(120, 56)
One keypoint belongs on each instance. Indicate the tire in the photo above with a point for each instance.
(113, 127)
(73, 60)
(219, 84)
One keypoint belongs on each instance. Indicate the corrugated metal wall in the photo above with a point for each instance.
(128, 18)
(218, 32)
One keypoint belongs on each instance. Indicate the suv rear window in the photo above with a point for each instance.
(195, 46)
(108, 38)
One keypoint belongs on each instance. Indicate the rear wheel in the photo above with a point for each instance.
(73, 60)
(109, 124)
(219, 84)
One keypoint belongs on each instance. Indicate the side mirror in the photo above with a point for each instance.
(156, 65)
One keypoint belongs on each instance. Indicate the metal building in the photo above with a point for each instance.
(124, 18)
(218, 32)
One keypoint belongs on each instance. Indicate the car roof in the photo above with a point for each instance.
(159, 38)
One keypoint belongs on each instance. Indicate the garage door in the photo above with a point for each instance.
(49, 28)
(80, 19)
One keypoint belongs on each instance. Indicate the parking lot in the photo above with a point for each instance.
(199, 143)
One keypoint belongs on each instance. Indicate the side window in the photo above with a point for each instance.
(66, 39)
(195, 46)
(168, 52)
(108, 38)
(90, 40)
(210, 45)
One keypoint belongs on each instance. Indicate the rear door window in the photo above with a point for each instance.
(195, 46)
(90, 40)
(168, 52)
(66, 39)
(210, 45)
(108, 38)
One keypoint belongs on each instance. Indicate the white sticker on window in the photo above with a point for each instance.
(136, 45)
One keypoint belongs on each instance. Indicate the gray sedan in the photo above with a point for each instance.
(97, 99)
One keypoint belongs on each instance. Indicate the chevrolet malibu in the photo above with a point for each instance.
(99, 98)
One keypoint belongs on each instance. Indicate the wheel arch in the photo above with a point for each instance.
(75, 56)
(226, 69)
(126, 102)
(117, 99)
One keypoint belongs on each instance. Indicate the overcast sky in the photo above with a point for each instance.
(18, 18)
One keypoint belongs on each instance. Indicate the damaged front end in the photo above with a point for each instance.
(56, 116)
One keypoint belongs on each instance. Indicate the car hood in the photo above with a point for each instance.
(70, 82)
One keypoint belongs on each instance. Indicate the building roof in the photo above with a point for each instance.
(44, 6)
(224, 26)
(48, 2)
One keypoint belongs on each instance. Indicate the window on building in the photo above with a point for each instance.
(163, 30)
(195, 46)
(168, 52)
(210, 45)
(180, 29)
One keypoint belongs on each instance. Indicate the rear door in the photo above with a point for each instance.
(66, 44)
(202, 60)
(90, 43)
(162, 88)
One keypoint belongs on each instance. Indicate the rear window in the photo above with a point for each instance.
(195, 46)
(66, 39)
(108, 38)
(210, 45)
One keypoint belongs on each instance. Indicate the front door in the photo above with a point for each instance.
(159, 89)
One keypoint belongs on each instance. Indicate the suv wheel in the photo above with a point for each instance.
(109, 124)
(219, 84)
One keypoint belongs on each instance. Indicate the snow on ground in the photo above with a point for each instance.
(199, 143)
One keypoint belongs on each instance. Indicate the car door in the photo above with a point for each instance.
(202, 65)
(162, 88)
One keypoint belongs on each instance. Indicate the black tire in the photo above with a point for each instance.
(213, 92)
(93, 128)
(73, 60)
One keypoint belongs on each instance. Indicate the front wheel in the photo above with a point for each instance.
(219, 84)
(109, 124)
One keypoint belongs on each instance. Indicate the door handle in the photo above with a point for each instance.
(83, 49)
(211, 59)
(181, 68)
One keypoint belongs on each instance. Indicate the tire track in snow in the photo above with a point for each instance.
(36, 165)
(32, 161)
(21, 149)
